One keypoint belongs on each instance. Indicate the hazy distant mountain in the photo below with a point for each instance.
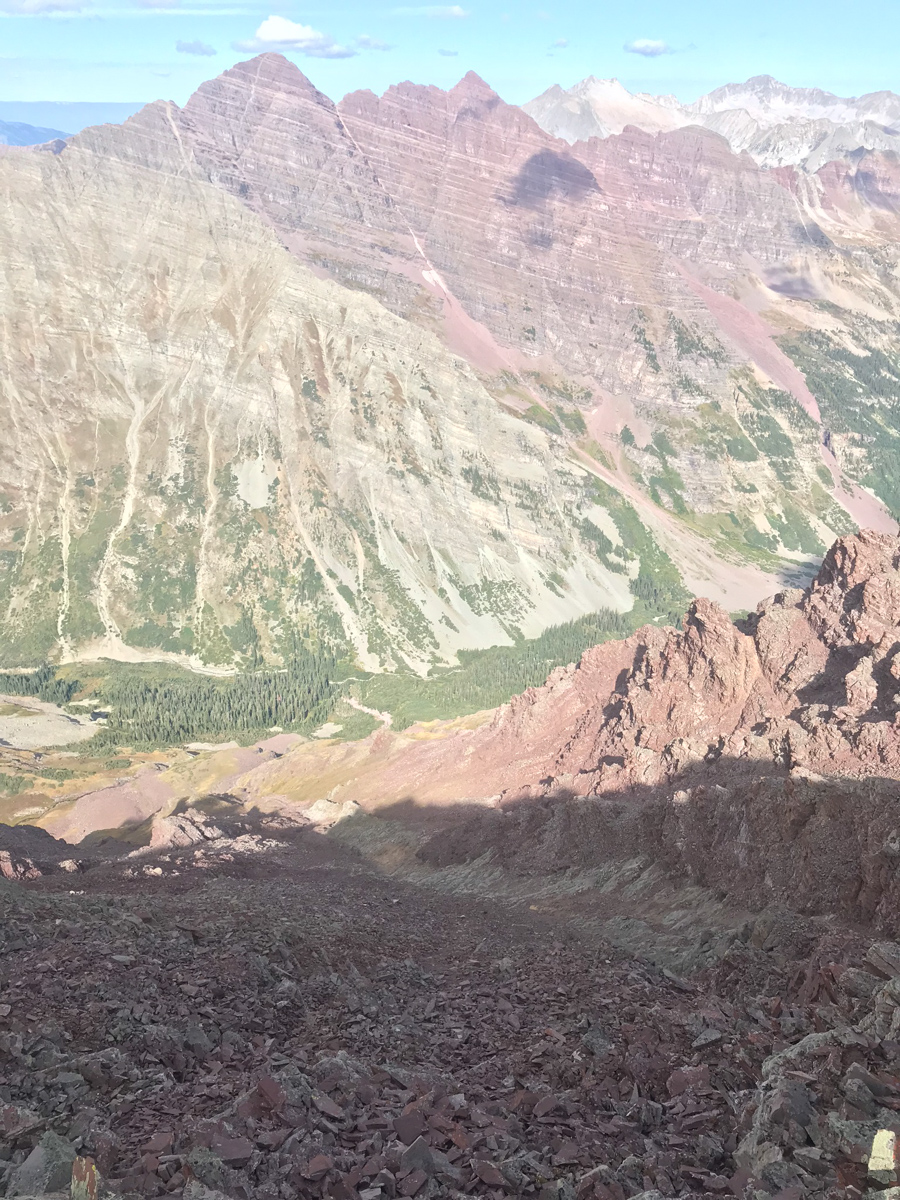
(600, 107)
(15, 133)
(776, 124)
(72, 115)
(771, 103)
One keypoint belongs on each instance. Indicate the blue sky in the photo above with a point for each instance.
(141, 50)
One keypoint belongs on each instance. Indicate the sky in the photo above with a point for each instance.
(140, 50)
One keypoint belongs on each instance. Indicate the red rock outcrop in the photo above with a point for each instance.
(813, 683)
(807, 686)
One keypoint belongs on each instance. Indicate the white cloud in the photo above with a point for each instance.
(36, 8)
(370, 43)
(449, 53)
(648, 47)
(278, 33)
(440, 11)
(560, 43)
(199, 48)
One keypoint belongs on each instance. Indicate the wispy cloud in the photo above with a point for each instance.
(560, 43)
(37, 8)
(438, 11)
(278, 33)
(648, 47)
(449, 53)
(370, 43)
(199, 48)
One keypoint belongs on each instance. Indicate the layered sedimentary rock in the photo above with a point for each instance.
(381, 374)
(212, 451)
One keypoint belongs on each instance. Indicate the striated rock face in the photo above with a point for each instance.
(211, 449)
(506, 212)
(410, 375)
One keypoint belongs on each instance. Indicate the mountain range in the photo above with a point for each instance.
(409, 376)
(17, 133)
(776, 124)
(526, 819)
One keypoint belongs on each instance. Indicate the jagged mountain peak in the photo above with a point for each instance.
(473, 87)
(776, 124)
(271, 71)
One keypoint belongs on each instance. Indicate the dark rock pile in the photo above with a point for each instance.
(307, 1028)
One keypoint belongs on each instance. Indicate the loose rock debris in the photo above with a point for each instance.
(318, 1030)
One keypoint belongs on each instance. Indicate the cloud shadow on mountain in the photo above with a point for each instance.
(548, 175)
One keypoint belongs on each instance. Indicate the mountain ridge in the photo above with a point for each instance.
(622, 323)
(778, 125)
(18, 133)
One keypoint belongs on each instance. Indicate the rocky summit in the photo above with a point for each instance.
(450, 644)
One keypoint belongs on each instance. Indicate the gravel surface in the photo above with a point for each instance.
(263, 1015)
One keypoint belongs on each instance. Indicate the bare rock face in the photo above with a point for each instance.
(855, 598)
(504, 210)
(27, 852)
(377, 374)
(811, 685)
(250, 451)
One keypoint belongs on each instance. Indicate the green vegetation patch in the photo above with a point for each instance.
(691, 343)
(538, 415)
(42, 683)
(859, 397)
(572, 419)
(486, 678)
(14, 785)
(150, 708)
(639, 329)
(152, 704)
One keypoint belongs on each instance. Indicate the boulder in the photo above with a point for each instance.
(48, 1168)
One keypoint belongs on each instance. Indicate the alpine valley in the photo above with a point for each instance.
(450, 646)
(411, 376)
